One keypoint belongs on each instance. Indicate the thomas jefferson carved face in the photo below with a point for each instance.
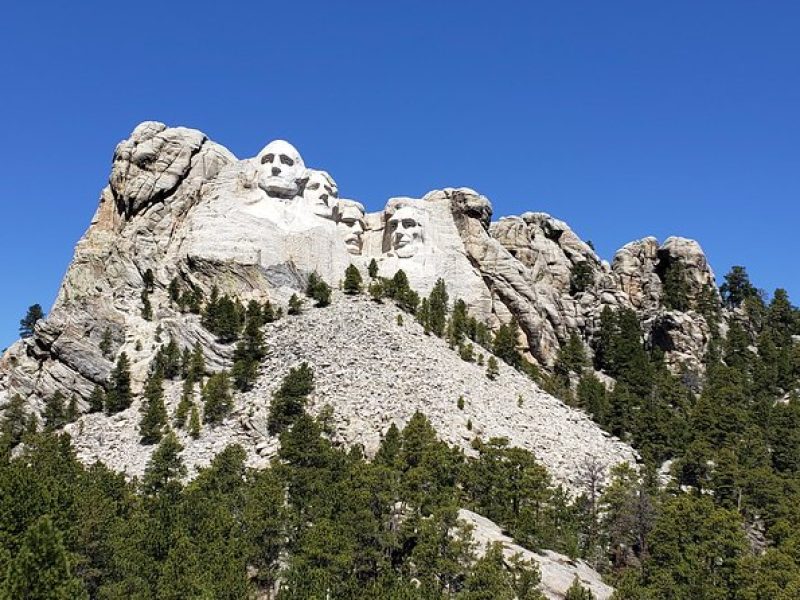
(321, 193)
(280, 169)
(406, 231)
(349, 216)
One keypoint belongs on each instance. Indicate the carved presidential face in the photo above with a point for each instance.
(280, 169)
(321, 193)
(349, 218)
(406, 231)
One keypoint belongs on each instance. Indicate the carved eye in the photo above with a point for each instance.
(267, 158)
(286, 160)
(329, 190)
(313, 186)
(409, 223)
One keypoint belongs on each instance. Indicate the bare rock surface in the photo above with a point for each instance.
(374, 372)
(558, 571)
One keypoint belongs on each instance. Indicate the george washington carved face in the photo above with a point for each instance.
(281, 169)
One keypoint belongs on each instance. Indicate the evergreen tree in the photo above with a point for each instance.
(581, 277)
(197, 366)
(492, 369)
(249, 353)
(34, 314)
(376, 291)
(185, 404)
(13, 424)
(372, 269)
(488, 579)
(148, 280)
(289, 401)
(118, 396)
(577, 592)
(174, 290)
(41, 569)
(505, 345)
(194, 422)
(592, 397)
(147, 306)
(352, 280)
(458, 328)
(97, 399)
(437, 308)
(317, 290)
(295, 305)
(676, 287)
(54, 413)
(105, 343)
(217, 401)
(154, 414)
(737, 287)
(73, 412)
(165, 468)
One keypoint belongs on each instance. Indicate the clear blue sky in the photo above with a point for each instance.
(625, 119)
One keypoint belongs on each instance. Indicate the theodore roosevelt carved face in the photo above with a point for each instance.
(321, 193)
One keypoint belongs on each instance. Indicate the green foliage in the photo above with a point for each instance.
(436, 314)
(376, 290)
(581, 277)
(26, 324)
(216, 396)
(147, 307)
(118, 394)
(289, 401)
(352, 279)
(194, 422)
(295, 305)
(317, 290)
(505, 344)
(165, 467)
(676, 287)
(185, 403)
(41, 570)
(398, 289)
(54, 412)
(223, 316)
(105, 343)
(492, 368)
(577, 592)
(737, 287)
(460, 403)
(154, 414)
(250, 351)
(372, 269)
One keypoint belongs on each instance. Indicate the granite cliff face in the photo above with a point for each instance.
(187, 209)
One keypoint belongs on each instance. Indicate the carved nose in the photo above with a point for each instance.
(324, 198)
(276, 171)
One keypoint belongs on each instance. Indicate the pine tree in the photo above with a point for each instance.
(118, 396)
(577, 592)
(581, 277)
(289, 401)
(317, 290)
(352, 280)
(34, 314)
(105, 343)
(197, 366)
(217, 401)
(185, 404)
(14, 423)
(165, 467)
(73, 411)
(249, 353)
(676, 288)
(54, 414)
(154, 414)
(492, 369)
(194, 422)
(437, 308)
(488, 578)
(148, 280)
(147, 307)
(295, 305)
(459, 324)
(41, 569)
(505, 345)
(372, 269)
(268, 313)
(376, 291)
(174, 290)
(737, 287)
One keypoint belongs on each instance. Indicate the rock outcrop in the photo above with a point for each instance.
(186, 211)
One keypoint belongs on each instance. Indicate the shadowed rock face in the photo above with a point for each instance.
(187, 209)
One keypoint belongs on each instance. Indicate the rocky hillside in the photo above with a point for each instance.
(373, 373)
